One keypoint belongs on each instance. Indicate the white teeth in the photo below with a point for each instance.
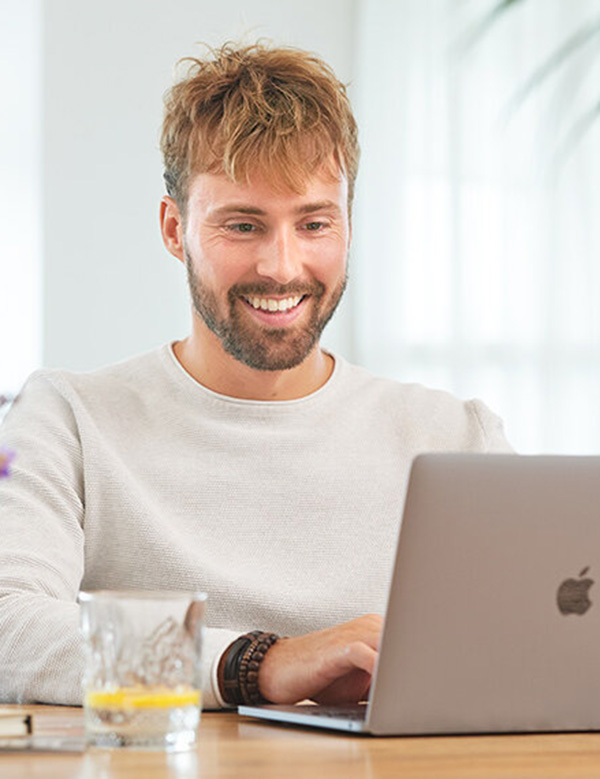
(270, 304)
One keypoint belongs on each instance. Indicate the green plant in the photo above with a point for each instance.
(563, 57)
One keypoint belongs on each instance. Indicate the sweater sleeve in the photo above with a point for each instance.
(492, 427)
(41, 550)
(42, 521)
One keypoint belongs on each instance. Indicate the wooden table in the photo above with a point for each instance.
(231, 746)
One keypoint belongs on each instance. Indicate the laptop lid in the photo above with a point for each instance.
(491, 624)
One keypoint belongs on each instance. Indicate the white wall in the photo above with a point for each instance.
(111, 289)
(20, 183)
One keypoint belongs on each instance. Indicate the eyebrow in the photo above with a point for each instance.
(307, 208)
(320, 205)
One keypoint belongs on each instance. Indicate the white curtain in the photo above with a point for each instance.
(476, 264)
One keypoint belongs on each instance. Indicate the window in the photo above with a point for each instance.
(476, 265)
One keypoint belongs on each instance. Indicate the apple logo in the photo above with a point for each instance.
(572, 596)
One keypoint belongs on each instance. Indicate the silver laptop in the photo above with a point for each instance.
(493, 619)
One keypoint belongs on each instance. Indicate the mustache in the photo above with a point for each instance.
(268, 289)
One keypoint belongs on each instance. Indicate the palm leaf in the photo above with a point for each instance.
(571, 46)
(579, 129)
(474, 36)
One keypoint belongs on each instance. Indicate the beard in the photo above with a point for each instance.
(264, 348)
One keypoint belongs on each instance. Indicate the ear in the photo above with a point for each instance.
(171, 227)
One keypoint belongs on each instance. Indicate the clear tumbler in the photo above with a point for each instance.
(142, 682)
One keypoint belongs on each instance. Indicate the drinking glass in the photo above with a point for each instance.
(142, 682)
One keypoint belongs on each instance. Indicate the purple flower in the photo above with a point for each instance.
(6, 458)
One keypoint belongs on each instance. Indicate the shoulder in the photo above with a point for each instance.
(114, 386)
(426, 417)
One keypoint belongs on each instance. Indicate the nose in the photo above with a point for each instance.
(280, 257)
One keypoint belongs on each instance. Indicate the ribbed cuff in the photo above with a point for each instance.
(216, 643)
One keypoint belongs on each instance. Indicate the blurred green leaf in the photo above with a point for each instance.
(571, 46)
(579, 129)
(474, 36)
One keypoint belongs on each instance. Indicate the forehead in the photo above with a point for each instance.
(210, 191)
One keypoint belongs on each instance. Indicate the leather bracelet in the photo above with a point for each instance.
(250, 666)
(230, 687)
(239, 666)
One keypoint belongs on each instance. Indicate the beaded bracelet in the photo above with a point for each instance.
(238, 669)
(250, 666)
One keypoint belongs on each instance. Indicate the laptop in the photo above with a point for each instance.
(493, 616)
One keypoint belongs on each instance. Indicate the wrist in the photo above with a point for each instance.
(239, 666)
(268, 673)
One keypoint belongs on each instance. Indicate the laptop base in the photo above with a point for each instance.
(347, 718)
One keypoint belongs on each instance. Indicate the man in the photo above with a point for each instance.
(244, 460)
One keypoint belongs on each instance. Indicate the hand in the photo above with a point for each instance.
(334, 665)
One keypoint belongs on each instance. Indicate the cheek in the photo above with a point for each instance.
(330, 263)
(219, 264)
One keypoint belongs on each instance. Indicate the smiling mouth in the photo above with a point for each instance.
(274, 305)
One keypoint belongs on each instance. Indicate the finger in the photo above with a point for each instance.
(352, 688)
(368, 629)
(362, 656)
(347, 658)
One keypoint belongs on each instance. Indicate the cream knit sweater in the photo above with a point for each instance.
(136, 477)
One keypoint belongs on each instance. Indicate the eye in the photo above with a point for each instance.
(314, 227)
(242, 227)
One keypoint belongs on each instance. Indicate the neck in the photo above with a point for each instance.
(218, 371)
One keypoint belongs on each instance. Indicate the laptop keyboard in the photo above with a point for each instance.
(352, 712)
